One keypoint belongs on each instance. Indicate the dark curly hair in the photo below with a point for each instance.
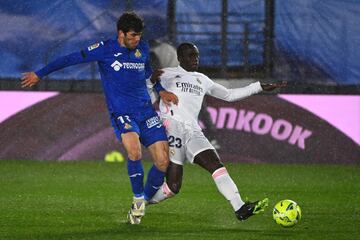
(183, 46)
(130, 21)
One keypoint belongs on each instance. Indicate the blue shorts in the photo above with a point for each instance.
(146, 124)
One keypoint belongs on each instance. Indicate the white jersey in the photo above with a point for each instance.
(190, 88)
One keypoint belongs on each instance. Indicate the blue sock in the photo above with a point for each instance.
(154, 181)
(136, 175)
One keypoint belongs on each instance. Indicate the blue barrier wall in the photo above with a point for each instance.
(324, 34)
(311, 36)
(36, 32)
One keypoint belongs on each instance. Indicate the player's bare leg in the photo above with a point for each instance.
(160, 154)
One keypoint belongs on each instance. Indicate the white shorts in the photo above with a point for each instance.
(185, 142)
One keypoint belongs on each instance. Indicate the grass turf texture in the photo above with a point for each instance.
(89, 200)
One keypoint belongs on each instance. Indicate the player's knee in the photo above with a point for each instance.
(162, 164)
(162, 161)
(134, 154)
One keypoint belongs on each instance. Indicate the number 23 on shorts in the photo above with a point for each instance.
(174, 142)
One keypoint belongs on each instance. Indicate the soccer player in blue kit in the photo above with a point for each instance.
(124, 66)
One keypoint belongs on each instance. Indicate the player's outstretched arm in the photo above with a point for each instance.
(29, 79)
(236, 94)
(272, 86)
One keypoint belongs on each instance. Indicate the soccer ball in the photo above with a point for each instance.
(287, 213)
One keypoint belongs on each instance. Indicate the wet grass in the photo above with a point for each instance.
(89, 200)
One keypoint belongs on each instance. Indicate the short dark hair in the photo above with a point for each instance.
(130, 21)
(183, 46)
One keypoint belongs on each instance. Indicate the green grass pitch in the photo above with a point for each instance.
(89, 200)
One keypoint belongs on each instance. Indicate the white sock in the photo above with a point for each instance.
(163, 193)
(227, 188)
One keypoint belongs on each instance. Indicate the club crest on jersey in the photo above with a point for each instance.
(198, 80)
(172, 152)
(94, 46)
(127, 126)
(137, 53)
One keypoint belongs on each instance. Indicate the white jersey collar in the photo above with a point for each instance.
(180, 69)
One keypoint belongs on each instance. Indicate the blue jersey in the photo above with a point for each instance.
(123, 73)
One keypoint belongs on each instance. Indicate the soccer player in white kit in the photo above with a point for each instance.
(186, 139)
